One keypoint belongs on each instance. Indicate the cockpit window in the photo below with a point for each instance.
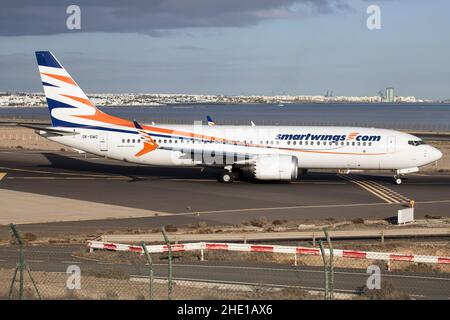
(415, 142)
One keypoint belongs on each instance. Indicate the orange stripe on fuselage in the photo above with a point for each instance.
(103, 117)
(68, 80)
(333, 152)
(193, 135)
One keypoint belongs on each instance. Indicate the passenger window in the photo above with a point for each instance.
(128, 140)
(295, 142)
(359, 143)
(348, 143)
(370, 144)
(288, 142)
(364, 143)
(123, 140)
(353, 143)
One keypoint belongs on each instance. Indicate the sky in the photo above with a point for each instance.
(232, 47)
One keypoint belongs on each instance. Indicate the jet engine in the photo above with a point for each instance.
(275, 167)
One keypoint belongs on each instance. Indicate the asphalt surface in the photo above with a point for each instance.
(190, 195)
(56, 258)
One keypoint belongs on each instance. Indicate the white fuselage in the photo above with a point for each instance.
(314, 147)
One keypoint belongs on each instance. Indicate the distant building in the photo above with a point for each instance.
(389, 98)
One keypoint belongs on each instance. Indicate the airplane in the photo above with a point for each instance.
(210, 121)
(272, 153)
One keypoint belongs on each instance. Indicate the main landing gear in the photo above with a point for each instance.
(230, 174)
(226, 177)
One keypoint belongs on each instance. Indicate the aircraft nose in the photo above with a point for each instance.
(435, 154)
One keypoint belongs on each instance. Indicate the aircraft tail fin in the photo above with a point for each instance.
(68, 104)
(210, 121)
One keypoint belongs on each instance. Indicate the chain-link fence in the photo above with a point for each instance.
(73, 271)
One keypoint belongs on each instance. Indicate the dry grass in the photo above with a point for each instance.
(53, 286)
(387, 291)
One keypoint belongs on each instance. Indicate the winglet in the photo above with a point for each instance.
(137, 125)
(149, 143)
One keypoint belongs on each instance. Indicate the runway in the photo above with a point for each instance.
(182, 196)
(56, 258)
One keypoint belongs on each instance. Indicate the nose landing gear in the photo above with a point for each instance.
(398, 180)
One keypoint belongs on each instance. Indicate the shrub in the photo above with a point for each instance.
(358, 221)
(386, 292)
(202, 224)
(261, 222)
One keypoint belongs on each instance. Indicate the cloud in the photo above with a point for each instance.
(152, 17)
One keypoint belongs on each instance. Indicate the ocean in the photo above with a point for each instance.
(423, 117)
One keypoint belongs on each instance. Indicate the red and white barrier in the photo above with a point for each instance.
(240, 247)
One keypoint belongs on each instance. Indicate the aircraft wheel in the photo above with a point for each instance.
(226, 177)
(398, 180)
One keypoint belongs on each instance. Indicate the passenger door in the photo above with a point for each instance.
(103, 142)
(391, 144)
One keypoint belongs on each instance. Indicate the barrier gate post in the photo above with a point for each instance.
(150, 267)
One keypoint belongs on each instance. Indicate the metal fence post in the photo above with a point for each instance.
(328, 267)
(21, 265)
(331, 264)
(325, 269)
(169, 249)
(150, 267)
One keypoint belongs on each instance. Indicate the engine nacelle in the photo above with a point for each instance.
(275, 167)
